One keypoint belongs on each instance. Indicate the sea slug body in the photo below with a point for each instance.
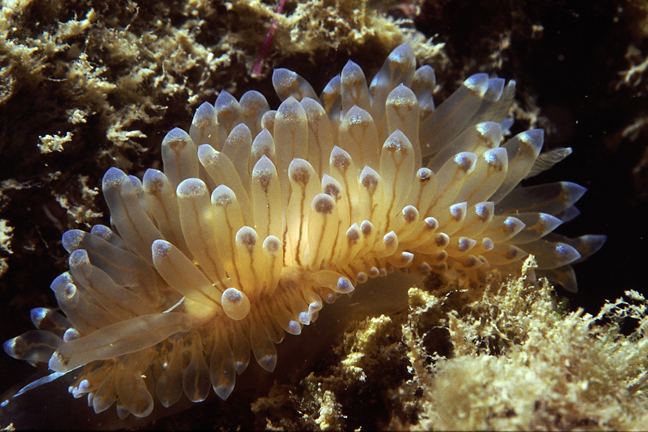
(259, 217)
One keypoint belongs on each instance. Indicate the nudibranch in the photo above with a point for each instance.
(261, 216)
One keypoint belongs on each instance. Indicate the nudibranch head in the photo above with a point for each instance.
(261, 216)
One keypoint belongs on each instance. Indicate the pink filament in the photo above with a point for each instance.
(260, 61)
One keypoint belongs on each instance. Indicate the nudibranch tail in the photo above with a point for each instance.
(259, 217)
